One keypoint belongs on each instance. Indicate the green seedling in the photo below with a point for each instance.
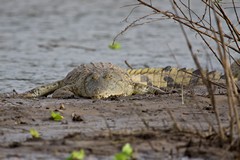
(56, 116)
(77, 155)
(34, 133)
(125, 154)
(115, 46)
(127, 149)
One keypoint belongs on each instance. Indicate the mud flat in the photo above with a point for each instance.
(101, 127)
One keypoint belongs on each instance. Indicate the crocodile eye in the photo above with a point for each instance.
(95, 76)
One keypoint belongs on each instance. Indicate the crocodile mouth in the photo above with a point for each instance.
(104, 85)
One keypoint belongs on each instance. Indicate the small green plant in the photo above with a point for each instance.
(125, 154)
(56, 116)
(77, 155)
(114, 46)
(34, 133)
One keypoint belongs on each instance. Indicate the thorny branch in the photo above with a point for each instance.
(201, 25)
(208, 25)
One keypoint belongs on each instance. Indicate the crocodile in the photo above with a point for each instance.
(94, 80)
(103, 80)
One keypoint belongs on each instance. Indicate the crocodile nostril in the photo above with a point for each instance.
(107, 76)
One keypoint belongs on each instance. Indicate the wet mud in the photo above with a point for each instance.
(102, 127)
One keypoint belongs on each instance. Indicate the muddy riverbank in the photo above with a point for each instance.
(103, 126)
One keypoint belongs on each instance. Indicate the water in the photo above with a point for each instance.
(41, 41)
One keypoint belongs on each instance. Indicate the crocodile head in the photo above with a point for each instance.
(108, 83)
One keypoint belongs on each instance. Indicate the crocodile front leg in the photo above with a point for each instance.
(42, 90)
(64, 92)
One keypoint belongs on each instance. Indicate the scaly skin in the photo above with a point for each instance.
(171, 77)
(102, 80)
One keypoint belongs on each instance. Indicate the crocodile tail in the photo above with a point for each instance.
(42, 90)
(171, 77)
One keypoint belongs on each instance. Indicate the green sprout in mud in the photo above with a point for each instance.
(125, 154)
(115, 46)
(77, 155)
(34, 133)
(56, 116)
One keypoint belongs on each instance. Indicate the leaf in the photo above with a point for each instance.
(126, 153)
(115, 46)
(77, 155)
(127, 149)
(56, 116)
(34, 133)
(121, 156)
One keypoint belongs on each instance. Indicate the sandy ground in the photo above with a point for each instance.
(101, 127)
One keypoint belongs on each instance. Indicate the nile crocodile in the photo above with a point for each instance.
(94, 80)
(103, 80)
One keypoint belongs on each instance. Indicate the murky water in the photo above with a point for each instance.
(40, 41)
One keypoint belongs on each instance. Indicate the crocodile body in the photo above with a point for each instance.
(102, 80)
